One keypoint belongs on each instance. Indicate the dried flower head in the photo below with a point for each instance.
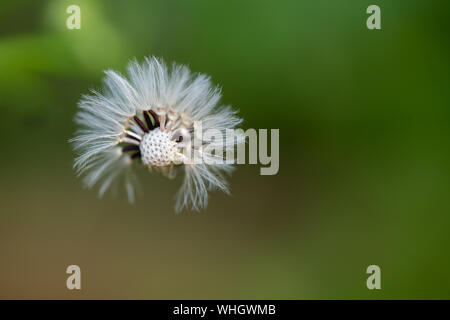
(148, 120)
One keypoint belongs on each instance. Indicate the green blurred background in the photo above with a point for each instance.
(364, 152)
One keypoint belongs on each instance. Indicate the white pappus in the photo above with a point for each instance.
(148, 120)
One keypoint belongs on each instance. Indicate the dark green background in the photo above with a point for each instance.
(364, 152)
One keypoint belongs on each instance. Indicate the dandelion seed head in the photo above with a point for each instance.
(157, 148)
(147, 119)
